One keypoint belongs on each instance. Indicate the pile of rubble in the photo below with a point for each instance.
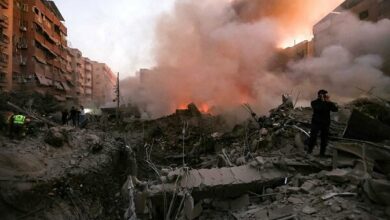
(62, 173)
(192, 167)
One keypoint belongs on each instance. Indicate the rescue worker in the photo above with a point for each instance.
(320, 123)
(17, 125)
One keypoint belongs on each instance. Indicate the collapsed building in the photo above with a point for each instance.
(193, 165)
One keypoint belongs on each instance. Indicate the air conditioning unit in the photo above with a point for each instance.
(23, 61)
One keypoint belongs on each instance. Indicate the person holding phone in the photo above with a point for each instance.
(320, 122)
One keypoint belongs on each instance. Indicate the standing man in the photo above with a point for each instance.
(82, 116)
(65, 118)
(73, 115)
(320, 122)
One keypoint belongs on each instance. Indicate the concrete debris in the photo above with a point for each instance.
(309, 210)
(56, 137)
(191, 210)
(307, 186)
(220, 181)
(339, 175)
(331, 195)
(378, 190)
(358, 125)
(194, 165)
(294, 200)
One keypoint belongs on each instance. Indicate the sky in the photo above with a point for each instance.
(120, 33)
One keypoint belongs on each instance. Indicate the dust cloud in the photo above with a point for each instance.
(216, 54)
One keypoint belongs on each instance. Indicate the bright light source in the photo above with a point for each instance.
(87, 110)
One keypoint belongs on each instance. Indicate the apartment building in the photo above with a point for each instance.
(104, 83)
(6, 24)
(370, 10)
(39, 48)
(88, 79)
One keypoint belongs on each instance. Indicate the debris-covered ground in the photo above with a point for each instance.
(191, 165)
(196, 168)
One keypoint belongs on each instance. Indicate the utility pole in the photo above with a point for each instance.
(117, 98)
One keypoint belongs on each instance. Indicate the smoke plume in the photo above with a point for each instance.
(352, 62)
(216, 54)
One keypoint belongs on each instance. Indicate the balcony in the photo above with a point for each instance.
(4, 39)
(4, 3)
(22, 44)
(42, 44)
(23, 61)
(3, 58)
(3, 20)
(23, 28)
(88, 67)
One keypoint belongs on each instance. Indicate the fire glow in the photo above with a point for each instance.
(203, 108)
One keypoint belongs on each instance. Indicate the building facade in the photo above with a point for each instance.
(370, 10)
(6, 24)
(104, 84)
(88, 78)
(35, 57)
(39, 48)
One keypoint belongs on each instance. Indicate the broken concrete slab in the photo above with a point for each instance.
(191, 210)
(339, 175)
(294, 200)
(362, 127)
(309, 210)
(232, 204)
(307, 186)
(378, 190)
(333, 194)
(225, 182)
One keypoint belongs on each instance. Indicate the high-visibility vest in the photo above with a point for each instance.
(19, 119)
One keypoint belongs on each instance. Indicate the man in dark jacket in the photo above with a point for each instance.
(73, 116)
(322, 107)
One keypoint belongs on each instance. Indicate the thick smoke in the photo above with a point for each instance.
(351, 63)
(216, 53)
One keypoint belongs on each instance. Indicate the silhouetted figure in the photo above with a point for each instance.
(74, 116)
(65, 116)
(322, 107)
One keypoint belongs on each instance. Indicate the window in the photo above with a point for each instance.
(36, 10)
(363, 15)
(25, 7)
(2, 77)
(18, 5)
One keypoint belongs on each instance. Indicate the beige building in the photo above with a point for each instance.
(88, 79)
(370, 10)
(104, 84)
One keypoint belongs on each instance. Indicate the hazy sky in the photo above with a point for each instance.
(117, 32)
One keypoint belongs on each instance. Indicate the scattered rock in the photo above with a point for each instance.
(94, 143)
(55, 137)
(263, 131)
(293, 189)
(73, 162)
(294, 200)
(309, 210)
(307, 186)
(338, 175)
(335, 208)
(240, 161)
